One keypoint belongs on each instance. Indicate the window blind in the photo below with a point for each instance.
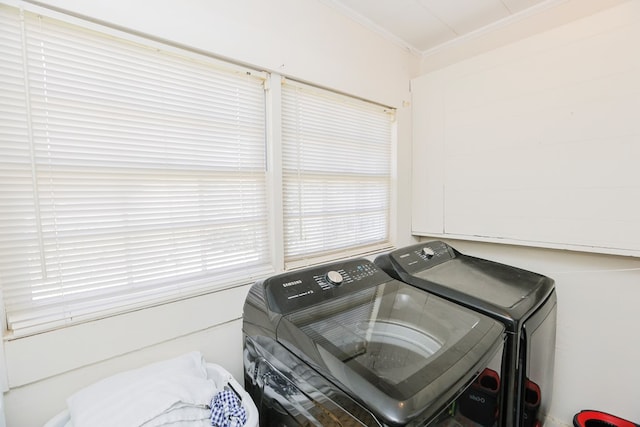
(130, 174)
(336, 172)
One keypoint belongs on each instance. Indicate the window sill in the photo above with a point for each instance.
(84, 344)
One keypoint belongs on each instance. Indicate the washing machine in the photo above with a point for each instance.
(344, 344)
(523, 301)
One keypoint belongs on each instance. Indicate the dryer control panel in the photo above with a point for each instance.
(295, 290)
(422, 256)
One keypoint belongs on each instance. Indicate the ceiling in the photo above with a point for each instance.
(421, 25)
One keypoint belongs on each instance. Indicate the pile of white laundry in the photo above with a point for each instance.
(172, 392)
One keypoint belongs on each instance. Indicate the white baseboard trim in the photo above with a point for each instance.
(550, 421)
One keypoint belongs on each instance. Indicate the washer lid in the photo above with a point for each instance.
(404, 353)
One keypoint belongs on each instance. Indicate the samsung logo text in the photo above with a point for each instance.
(295, 282)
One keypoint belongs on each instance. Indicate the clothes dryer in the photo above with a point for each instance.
(523, 301)
(344, 344)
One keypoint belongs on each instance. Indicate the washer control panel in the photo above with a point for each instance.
(292, 291)
(422, 255)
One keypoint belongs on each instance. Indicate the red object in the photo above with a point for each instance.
(489, 380)
(532, 393)
(589, 418)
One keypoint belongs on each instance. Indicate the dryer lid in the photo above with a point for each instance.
(496, 289)
(401, 351)
(503, 285)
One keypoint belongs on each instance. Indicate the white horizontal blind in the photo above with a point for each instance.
(130, 175)
(336, 172)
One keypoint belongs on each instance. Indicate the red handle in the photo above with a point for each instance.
(582, 419)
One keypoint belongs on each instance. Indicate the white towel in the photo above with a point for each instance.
(154, 395)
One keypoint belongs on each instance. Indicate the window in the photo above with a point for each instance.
(129, 174)
(336, 172)
(133, 173)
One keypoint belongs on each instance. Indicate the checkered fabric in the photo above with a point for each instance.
(227, 410)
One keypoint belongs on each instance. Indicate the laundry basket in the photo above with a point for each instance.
(220, 377)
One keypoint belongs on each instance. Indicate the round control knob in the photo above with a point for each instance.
(428, 252)
(334, 277)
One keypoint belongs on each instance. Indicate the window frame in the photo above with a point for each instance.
(273, 149)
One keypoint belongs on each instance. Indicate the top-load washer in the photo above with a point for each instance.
(345, 344)
(525, 302)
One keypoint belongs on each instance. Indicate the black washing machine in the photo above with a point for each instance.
(344, 344)
(525, 302)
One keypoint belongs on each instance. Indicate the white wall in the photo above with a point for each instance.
(597, 350)
(537, 139)
(303, 39)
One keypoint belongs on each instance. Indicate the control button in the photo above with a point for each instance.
(334, 277)
(428, 252)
